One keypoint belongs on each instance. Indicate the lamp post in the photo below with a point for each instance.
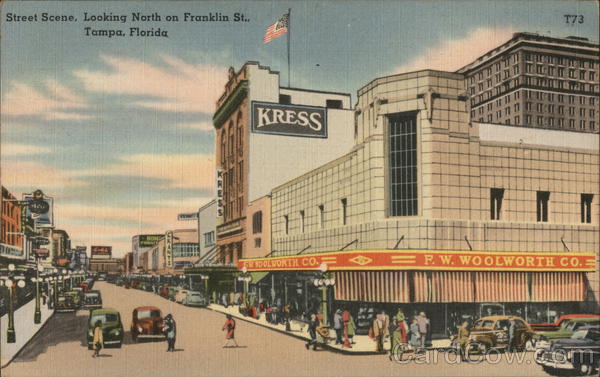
(64, 279)
(55, 281)
(37, 315)
(205, 281)
(246, 279)
(323, 282)
(10, 281)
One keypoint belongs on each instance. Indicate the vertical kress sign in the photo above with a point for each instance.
(289, 120)
(219, 184)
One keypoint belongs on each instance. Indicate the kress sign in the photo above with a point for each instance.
(291, 120)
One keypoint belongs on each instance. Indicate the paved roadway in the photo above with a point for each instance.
(60, 349)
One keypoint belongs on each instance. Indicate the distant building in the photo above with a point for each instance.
(536, 81)
(11, 221)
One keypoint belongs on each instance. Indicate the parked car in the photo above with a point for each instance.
(84, 286)
(492, 332)
(180, 295)
(65, 303)
(580, 353)
(135, 284)
(112, 327)
(146, 322)
(163, 291)
(76, 296)
(92, 300)
(195, 298)
(101, 277)
(559, 321)
(567, 329)
(172, 292)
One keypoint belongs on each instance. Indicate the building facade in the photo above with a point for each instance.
(264, 134)
(537, 81)
(432, 212)
(207, 225)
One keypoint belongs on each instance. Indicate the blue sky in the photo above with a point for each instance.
(118, 130)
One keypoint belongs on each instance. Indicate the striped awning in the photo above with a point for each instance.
(557, 286)
(372, 286)
(501, 287)
(443, 286)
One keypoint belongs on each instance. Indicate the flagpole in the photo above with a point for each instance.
(289, 31)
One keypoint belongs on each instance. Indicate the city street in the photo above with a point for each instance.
(262, 352)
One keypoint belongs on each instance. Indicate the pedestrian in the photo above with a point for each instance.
(313, 323)
(414, 333)
(98, 339)
(171, 331)
(230, 327)
(511, 335)
(378, 331)
(402, 326)
(338, 326)
(351, 329)
(423, 323)
(463, 339)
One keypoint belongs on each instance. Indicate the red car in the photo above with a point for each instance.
(559, 321)
(164, 290)
(85, 288)
(147, 322)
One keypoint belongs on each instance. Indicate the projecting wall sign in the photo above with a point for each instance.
(289, 120)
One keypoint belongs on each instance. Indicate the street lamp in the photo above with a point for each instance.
(11, 281)
(205, 281)
(323, 282)
(37, 315)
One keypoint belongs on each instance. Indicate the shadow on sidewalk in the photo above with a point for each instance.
(61, 327)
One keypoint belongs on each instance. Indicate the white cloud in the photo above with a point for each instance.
(453, 54)
(55, 102)
(16, 149)
(183, 171)
(35, 175)
(178, 87)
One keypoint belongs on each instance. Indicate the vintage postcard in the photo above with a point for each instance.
(299, 188)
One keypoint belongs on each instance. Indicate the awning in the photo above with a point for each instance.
(257, 276)
(501, 287)
(557, 286)
(443, 286)
(372, 286)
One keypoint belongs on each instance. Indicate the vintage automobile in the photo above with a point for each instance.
(567, 329)
(65, 303)
(102, 276)
(492, 332)
(580, 353)
(136, 284)
(559, 321)
(180, 295)
(172, 292)
(92, 300)
(112, 327)
(163, 291)
(146, 322)
(195, 298)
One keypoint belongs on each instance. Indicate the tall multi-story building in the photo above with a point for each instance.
(265, 135)
(536, 81)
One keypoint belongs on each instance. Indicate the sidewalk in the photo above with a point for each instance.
(25, 329)
(363, 344)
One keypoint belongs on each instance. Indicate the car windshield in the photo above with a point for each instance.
(108, 317)
(581, 334)
(194, 294)
(148, 314)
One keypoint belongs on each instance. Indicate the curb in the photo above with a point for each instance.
(325, 346)
(27, 342)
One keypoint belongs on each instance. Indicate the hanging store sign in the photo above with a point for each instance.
(426, 260)
(101, 252)
(39, 208)
(187, 216)
(169, 249)
(219, 185)
(289, 120)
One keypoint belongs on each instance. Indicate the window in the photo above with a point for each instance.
(333, 103)
(528, 119)
(302, 221)
(571, 123)
(592, 125)
(257, 222)
(582, 124)
(517, 120)
(285, 99)
(581, 100)
(286, 221)
(517, 107)
(223, 146)
(542, 205)
(321, 216)
(496, 196)
(344, 212)
(209, 238)
(403, 165)
(586, 208)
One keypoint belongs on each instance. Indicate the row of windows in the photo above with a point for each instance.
(560, 72)
(321, 217)
(228, 148)
(186, 249)
(542, 205)
(559, 60)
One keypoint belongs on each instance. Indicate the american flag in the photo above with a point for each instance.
(279, 28)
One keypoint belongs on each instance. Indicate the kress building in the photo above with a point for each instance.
(432, 212)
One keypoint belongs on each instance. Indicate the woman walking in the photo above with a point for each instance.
(98, 340)
(230, 327)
